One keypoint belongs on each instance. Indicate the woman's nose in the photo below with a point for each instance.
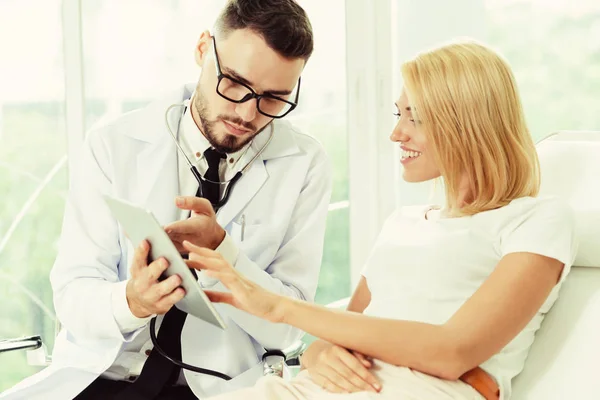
(399, 133)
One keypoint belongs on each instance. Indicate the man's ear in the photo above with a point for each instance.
(202, 47)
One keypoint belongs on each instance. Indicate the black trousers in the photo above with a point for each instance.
(106, 389)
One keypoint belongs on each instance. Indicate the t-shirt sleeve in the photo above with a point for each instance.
(366, 269)
(547, 229)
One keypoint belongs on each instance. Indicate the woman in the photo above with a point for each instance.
(450, 298)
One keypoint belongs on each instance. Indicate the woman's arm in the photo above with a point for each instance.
(337, 369)
(485, 323)
(359, 301)
(493, 316)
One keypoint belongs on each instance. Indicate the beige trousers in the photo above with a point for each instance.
(398, 383)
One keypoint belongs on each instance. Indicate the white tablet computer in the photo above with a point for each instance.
(140, 224)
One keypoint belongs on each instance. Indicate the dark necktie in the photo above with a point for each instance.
(209, 189)
(158, 371)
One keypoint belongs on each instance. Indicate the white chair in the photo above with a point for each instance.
(564, 362)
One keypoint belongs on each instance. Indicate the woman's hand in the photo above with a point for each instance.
(245, 294)
(338, 370)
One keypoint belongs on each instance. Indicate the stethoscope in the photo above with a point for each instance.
(230, 182)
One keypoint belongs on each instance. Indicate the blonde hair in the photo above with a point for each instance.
(465, 98)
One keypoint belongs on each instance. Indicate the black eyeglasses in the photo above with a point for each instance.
(238, 92)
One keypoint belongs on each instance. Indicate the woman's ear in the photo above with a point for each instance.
(202, 47)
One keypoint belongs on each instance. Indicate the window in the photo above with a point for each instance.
(323, 115)
(33, 174)
(555, 58)
(125, 68)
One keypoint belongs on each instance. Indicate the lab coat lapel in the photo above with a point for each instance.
(157, 178)
(281, 144)
(244, 190)
(157, 172)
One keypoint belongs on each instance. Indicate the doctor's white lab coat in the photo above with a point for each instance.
(283, 198)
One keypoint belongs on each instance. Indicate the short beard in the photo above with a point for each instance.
(230, 143)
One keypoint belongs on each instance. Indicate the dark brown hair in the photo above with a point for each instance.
(283, 24)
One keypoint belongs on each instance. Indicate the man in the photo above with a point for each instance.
(271, 227)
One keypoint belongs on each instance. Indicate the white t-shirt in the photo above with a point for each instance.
(425, 269)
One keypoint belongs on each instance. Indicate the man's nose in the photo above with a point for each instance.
(247, 110)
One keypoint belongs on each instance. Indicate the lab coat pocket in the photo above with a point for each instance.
(254, 240)
(241, 231)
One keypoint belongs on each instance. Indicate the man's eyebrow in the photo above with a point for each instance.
(237, 76)
(245, 81)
